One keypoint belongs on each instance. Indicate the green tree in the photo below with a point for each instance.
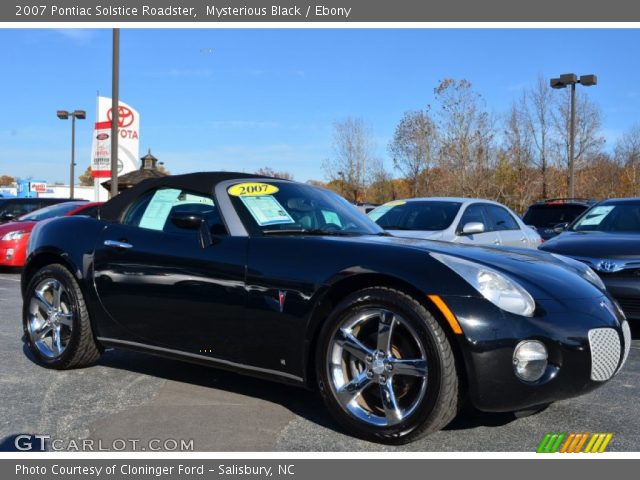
(86, 179)
(6, 180)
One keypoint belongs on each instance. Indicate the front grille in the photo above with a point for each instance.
(605, 353)
(626, 333)
(630, 306)
(625, 273)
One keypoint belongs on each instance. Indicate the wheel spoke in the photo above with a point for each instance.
(56, 289)
(42, 332)
(42, 302)
(352, 390)
(56, 346)
(391, 410)
(413, 367)
(385, 331)
(351, 344)
(66, 319)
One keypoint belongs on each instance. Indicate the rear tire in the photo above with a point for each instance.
(56, 322)
(385, 368)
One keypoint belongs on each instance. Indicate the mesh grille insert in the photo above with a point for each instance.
(605, 353)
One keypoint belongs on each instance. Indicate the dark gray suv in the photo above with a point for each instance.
(11, 208)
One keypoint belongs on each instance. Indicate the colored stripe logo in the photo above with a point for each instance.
(574, 442)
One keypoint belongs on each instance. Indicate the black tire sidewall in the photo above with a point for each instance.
(383, 298)
(62, 275)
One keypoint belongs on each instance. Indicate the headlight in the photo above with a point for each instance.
(496, 287)
(15, 235)
(583, 269)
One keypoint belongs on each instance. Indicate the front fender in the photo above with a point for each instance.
(69, 241)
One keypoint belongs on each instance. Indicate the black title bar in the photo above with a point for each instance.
(320, 11)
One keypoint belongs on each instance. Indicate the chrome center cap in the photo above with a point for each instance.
(378, 366)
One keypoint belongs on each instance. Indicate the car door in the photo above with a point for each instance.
(161, 287)
(476, 212)
(506, 226)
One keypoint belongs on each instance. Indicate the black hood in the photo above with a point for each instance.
(542, 274)
(595, 245)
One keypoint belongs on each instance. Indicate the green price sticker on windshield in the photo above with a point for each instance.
(252, 189)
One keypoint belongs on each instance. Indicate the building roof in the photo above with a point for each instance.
(130, 179)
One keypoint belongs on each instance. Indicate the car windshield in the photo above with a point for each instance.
(620, 218)
(277, 207)
(416, 215)
(51, 211)
(542, 216)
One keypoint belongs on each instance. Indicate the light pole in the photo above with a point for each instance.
(115, 111)
(571, 79)
(64, 115)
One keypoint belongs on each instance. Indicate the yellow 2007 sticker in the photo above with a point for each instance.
(252, 189)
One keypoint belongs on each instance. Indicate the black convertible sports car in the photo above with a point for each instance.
(290, 282)
(607, 238)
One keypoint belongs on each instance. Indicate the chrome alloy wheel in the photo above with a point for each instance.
(50, 319)
(378, 367)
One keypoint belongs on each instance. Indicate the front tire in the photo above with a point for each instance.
(385, 368)
(56, 321)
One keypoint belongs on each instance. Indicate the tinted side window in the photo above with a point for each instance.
(153, 211)
(502, 219)
(134, 213)
(88, 212)
(18, 209)
(475, 213)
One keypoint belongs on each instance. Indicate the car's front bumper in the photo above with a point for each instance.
(11, 253)
(587, 343)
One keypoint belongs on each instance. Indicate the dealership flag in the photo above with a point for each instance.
(128, 141)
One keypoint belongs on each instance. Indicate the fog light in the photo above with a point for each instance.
(530, 360)
(9, 253)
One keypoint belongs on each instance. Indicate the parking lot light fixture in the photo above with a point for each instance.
(565, 80)
(64, 115)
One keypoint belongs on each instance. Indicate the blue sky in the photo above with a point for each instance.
(266, 97)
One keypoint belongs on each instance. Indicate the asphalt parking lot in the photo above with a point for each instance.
(134, 396)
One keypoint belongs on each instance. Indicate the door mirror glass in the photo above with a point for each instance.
(472, 227)
(560, 227)
(187, 220)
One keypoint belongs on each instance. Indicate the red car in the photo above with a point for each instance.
(14, 236)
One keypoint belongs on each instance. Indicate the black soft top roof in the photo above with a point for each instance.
(200, 182)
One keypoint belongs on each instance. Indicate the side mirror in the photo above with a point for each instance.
(187, 220)
(194, 221)
(560, 227)
(473, 227)
(7, 217)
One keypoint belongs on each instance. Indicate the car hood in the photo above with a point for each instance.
(13, 226)
(595, 245)
(542, 274)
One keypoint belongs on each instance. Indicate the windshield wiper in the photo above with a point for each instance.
(309, 231)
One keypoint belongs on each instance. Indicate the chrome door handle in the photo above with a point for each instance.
(523, 240)
(117, 244)
(496, 242)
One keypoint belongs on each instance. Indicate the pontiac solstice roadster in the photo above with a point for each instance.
(290, 282)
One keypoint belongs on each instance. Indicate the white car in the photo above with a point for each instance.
(462, 220)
